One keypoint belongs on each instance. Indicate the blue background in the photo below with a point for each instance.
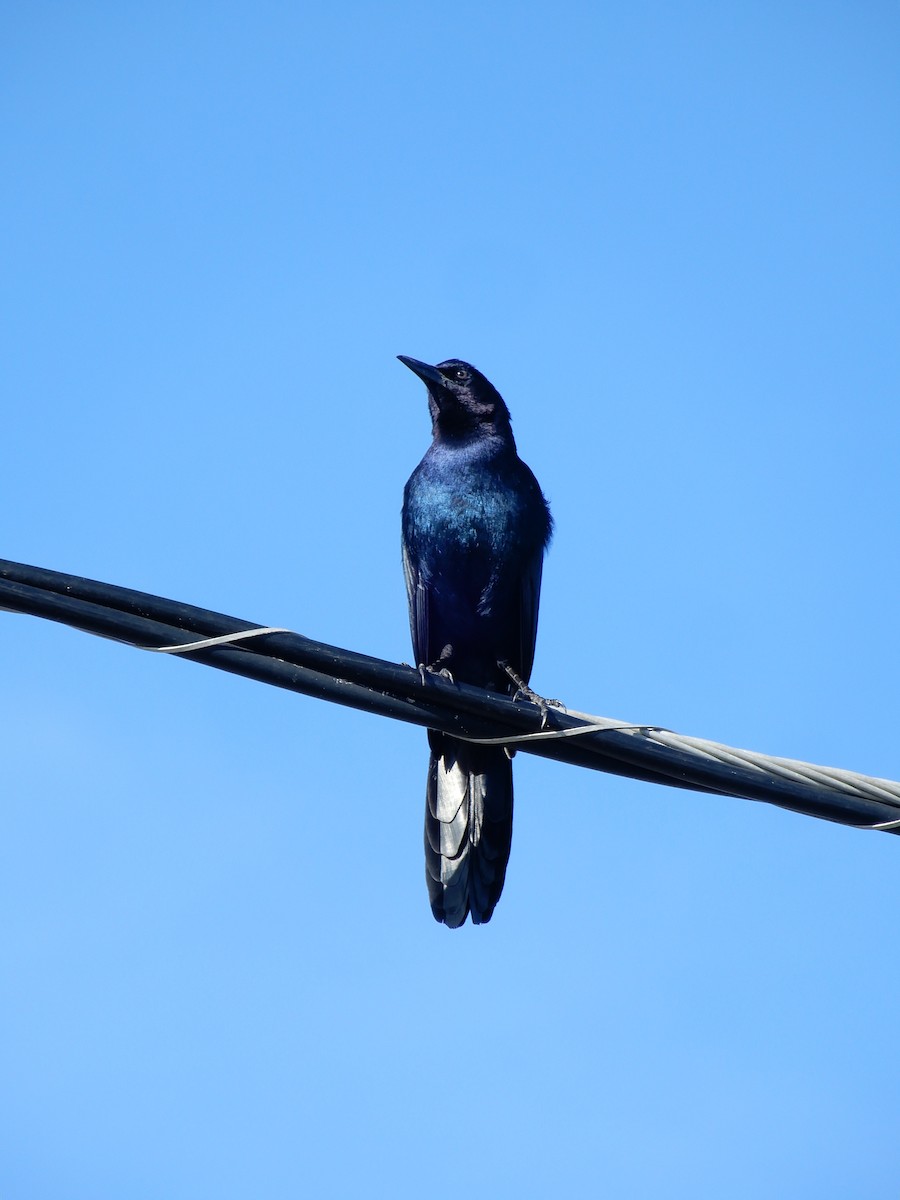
(669, 234)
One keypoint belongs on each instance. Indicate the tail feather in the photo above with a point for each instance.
(468, 829)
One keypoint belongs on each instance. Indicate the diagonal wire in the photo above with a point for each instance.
(289, 660)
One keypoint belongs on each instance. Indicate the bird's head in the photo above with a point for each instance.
(461, 400)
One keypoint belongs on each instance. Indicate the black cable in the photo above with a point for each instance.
(301, 664)
(348, 678)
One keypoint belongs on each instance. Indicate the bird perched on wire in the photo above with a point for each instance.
(475, 527)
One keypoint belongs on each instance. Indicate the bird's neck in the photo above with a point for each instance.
(495, 438)
(488, 451)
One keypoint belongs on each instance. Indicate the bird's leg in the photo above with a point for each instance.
(524, 692)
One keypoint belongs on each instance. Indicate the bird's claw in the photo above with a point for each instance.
(524, 692)
(435, 669)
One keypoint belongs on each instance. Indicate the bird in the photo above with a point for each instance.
(475, 527)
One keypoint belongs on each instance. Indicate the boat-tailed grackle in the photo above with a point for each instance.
(475, 527)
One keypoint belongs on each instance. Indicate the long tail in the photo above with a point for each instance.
(468, 828)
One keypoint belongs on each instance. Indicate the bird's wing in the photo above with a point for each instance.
(530, 595)
(417, 595)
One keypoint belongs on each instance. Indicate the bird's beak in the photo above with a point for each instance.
(429, 375)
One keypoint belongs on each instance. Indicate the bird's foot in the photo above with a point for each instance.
(436, 668)
(524, 692)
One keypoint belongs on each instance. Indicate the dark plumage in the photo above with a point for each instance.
(475, 527)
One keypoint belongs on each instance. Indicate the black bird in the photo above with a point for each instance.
(475, 527)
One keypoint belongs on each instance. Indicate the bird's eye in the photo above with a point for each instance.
(460, 372)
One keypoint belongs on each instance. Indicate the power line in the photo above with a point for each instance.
(300, 664)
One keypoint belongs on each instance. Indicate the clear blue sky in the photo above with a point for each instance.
(669, 234)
